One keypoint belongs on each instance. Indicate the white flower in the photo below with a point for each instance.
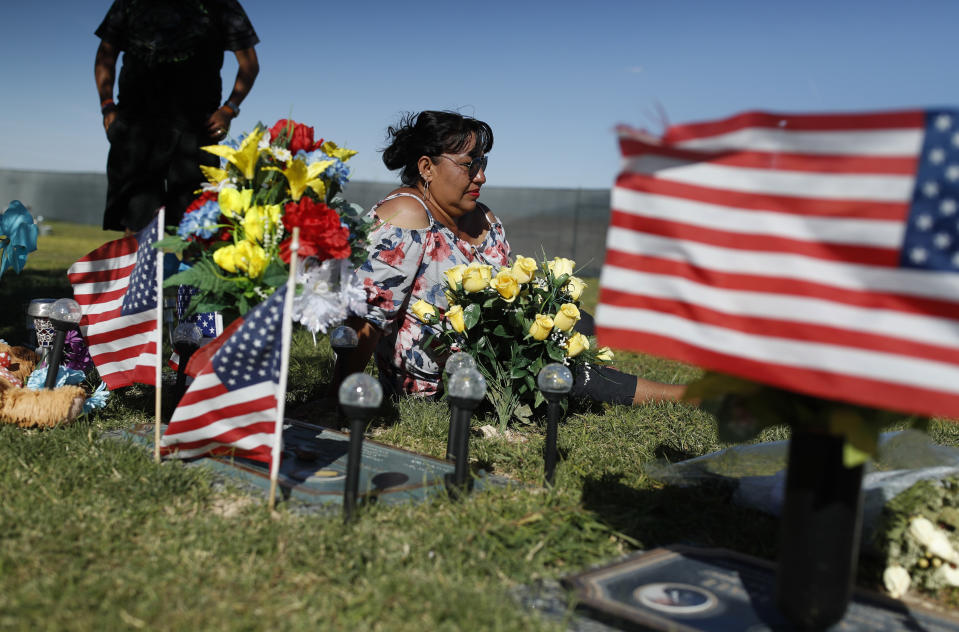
(933, 539)
(896, 580)
(331, 293)
(281, 153)
(948, 574)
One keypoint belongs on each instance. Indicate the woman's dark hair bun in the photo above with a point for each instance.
(431, 133)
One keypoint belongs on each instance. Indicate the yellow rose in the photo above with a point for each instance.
(476, 277)
(455, 316)
(424, 311)
(505, 283)
(541, 327)
(524, 269)
(574, 287)
(605, 354)
(250, 258)
(223, 257)
(576, 345)
(454, 275)
(566, 317)
(560, 266)
(233, 202)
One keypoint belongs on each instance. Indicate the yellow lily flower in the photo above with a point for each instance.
(214, 175)
(299, 175)
(245, 157)
(250, 258)
(223, 257)
(253, 224)
(233, 202)
(330, 149)
(273, 211)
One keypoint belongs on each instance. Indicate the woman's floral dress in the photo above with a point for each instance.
(406, 265)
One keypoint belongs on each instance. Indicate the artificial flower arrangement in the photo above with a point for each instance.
(919, 534)
(236, 235)
(513, 322)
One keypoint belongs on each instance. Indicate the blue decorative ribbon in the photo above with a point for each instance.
(18, 237)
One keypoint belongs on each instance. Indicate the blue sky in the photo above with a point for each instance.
(552, 78)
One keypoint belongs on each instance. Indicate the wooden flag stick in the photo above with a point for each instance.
(286, 333)
(159, 337)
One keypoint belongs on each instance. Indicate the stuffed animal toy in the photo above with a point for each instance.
(28, 408)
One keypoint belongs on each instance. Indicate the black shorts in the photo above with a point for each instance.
(152, 164)
(601, 383)
(604, 384)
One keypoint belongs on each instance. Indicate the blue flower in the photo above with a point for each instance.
(98, 399)
(65, 376)
(202, 222)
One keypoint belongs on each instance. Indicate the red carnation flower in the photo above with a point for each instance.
(297, 135)
(322, 235)
(206, 196)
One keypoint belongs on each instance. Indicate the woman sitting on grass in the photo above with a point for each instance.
(432, 223)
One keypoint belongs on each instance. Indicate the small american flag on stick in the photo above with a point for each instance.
(231, 406)
(116, 287)
(817, 253)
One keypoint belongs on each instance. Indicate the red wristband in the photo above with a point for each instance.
(106, 102)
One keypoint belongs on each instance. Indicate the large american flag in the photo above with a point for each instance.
(230, 408)
(116, 287)
(818, 253)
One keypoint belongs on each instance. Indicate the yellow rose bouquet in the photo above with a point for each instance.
(234, 238)
(514, 321)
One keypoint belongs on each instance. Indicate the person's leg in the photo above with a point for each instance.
(605, 384)
(134, 186)
(184, 177)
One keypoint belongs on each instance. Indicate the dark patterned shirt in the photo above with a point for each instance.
(173, 53)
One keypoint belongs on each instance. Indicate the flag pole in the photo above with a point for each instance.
(286, 334)
(159, 338)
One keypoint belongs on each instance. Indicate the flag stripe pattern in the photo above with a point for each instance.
(116, 288)
(817, 253)
(231, 406)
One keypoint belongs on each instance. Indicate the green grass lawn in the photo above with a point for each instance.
(95, 536)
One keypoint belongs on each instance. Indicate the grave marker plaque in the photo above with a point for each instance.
(688, 589)
(313, 467)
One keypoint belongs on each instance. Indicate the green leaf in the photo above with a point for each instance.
(471, 315)
(276, 274)
(172, 243)
(518, 371)
(555, 353)
(530, 382)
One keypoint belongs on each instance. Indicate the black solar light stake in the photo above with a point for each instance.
(360, 395)
(465, 389)
(459, 361)
(554, 381)
(64, 314)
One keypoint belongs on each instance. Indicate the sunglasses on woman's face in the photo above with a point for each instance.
(472, 167)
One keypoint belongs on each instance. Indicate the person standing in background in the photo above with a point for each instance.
(168, 103)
